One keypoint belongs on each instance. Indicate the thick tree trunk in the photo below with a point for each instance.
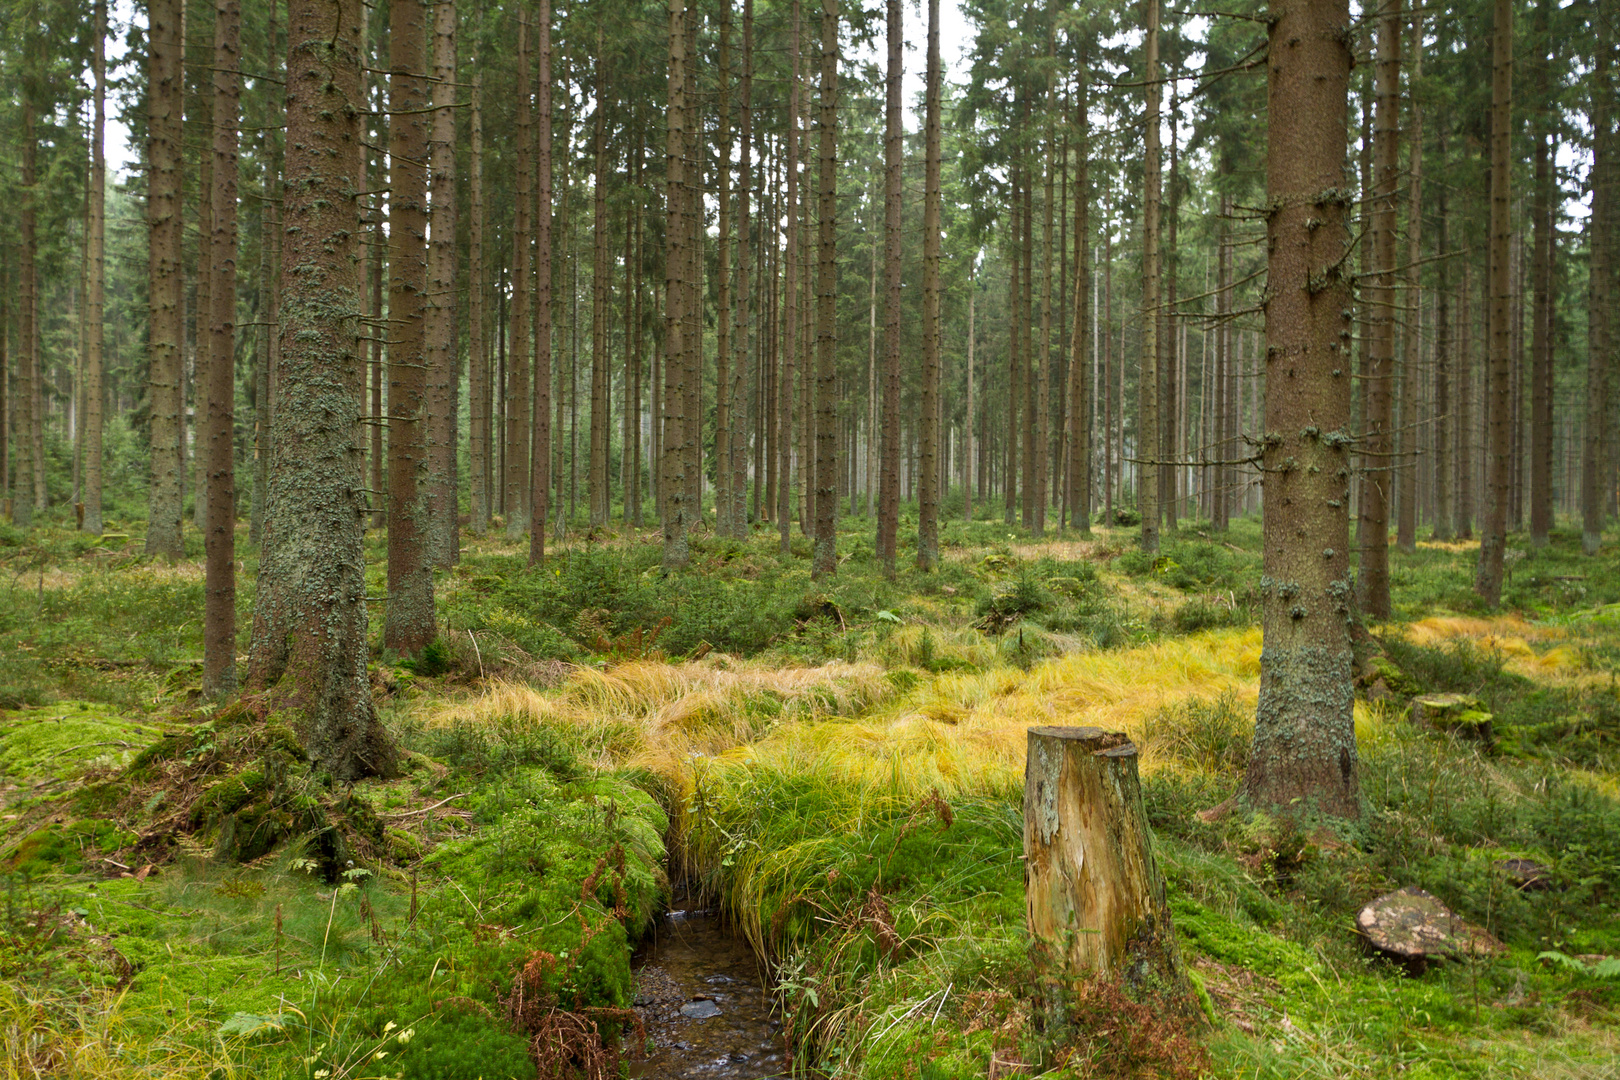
(539, 449)
(309, 631)
(219, 539)
(1493, 533)
(1541, 276)
(1093, 892)
(95, 284)
(164, 85)
(439, 327)
(741, 330)
(1304, 755)
(1147, 429)
(601, 400)
(518, 478)
(888, 523)
(200, 83)
(1411, 351)
(1595, 475)
(478, 398)
(929, 489)
(1379, 386)
(409, 625)
(824, 562)
(724, 419)
(675, 487)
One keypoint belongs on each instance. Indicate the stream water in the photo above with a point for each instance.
(700, 993)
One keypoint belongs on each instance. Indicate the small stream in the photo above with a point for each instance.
(700, 993)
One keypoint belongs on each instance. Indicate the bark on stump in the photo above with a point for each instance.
(1456, 713)
(1093, 892)
(1412, 927)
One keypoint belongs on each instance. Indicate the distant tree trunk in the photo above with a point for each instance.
(1016, 362)
(439, 325)
(1465, 405)
(478, 398)
(309, 630)
(1080, 388)
(219, 539)
(1379, 394)
(825, 559)
(929, 489)
(539, 477)
(1541, 274)
(1493, 534)
(675, 487)
(95, 283)
(1043, 375)
(409, 625)
(1109, 474)
(1600, 294)
(199, 46)
(28, 371)
(1304, 756)
(633, 496)
(1147, 431)
(519, 479)
(970, 460)
(1443, 361)
(164, 86)
(1029, 399)
(888, 523)
(1407, 436)
(601, 400)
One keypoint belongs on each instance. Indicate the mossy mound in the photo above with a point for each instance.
(62, 740)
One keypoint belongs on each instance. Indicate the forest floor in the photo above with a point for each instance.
(837, 768)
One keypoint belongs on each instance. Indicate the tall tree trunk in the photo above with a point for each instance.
(199, 33)
(1600, 293)
(825, 559)
(95, 283)
(1493, 534)
(601, 399)
(1378, 472)
(166, 284)
(969, 459)
(309, 629)
(1304, 756)
(439, 325)
(1541, 272)
(740, 335)
(929, 489)
(724, 419)
(675, 487)
(1411, 351)
(409, 625)
(219, 539)
(519, 479)
(478, 398)
(1029, 486)
(888, 524)
(1043, 395)
(1444, 426)
(1017, 363)
(539, 449)
(1147, 430)
(1080, 388)
(1466, 432)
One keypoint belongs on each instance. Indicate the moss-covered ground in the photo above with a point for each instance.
(839, 766)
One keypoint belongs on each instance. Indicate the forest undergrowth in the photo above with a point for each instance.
(838, 766)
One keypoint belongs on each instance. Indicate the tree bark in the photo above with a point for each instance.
(409, 625)
(1411, 351)
(164, 93)
(95, 283)
(309, 632)
(540, 460)
(929, 489)
(1595, 475)
(824, 561)
(439, 323)
(519, 478)
(1444, 483)
(1080, 388)
(790, 303)
(675, 486)
(1147, 431)
(1493, 533)
(1304, 755)
(1379, 387)
(740, 333)
(893, 193)
(1541, 275)
(478, 397)
(1094, 895)
(601, 400)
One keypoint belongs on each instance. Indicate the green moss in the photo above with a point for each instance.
(61, 741)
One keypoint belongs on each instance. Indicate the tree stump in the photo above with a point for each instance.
(1093, 892)
(1414, 928)
(1457, 713)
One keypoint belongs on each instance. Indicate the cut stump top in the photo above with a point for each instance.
(1413, 925)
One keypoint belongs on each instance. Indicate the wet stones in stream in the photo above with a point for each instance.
(706, 1012)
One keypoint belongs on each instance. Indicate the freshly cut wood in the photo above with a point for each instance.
(1414, 927)
(1456, 713)
(1093, 891)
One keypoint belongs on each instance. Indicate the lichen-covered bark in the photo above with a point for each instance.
(410, 624)
(309, 629)
(1304, 755)
(219, 538)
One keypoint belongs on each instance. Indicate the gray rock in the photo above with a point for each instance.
(700, 1010)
